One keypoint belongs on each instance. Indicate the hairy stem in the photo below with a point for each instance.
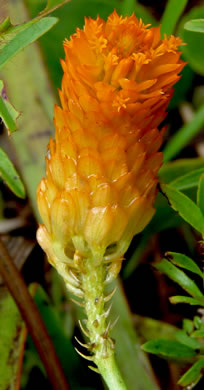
(101, 345)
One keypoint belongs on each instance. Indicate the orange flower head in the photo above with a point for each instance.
(101, 173)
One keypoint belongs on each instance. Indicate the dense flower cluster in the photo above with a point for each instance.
(101, 173)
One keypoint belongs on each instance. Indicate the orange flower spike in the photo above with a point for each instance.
(101, 174)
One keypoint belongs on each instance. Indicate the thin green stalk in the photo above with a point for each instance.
(101, 344)
(111, 374)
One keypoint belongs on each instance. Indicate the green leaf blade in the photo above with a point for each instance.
(194, 50)
(185, 339)
(186, 208)
(184, 135)
(189, 180)
(128, 7)
(182, 299)
(185, 262)
(168, 349)
(8, 113)
(32, 32)
(200, 194)
(5, 25)
(174, 169)
(10, 175)
(171, 15)
(195, 25)
(180, 278)
(193, 375)
(199, 333)
(12, 340)
(52, 5)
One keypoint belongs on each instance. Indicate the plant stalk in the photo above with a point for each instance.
(109, 370)
(101, 344)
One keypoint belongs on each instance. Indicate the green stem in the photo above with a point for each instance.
(111, 374)
(101, 345)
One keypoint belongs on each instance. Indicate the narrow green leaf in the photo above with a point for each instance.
(143, 13)
(181, 278)
(127, 344)
(12, 340)
(189, 180)
(184, 262)
(25, 37)
(6, 117)
(196, 25)
(128, 7)
(8, 113)
(188, 325)
(199, 333)
(174, 169)
(182, 88)
(10, 175)
(164, 218)
(193, 375)
(52, 5)
(182, 299)
(184, 135)
(5, 25)
(183, 338)
(168, 349)
(8, 31)
(76, 11)
(186, 208)
(63, 345)
(55, 3)
(198, 322)
(151, 329)
(171, 15)
(200, 194)
(194, 50)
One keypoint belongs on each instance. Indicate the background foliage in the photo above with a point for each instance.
(172, 242)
